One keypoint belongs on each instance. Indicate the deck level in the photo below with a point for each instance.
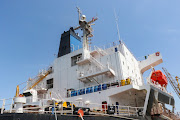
(28, 116)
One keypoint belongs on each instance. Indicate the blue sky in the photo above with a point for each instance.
(30, 33)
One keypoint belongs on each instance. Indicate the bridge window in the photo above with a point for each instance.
(50, 83)
(76, 58)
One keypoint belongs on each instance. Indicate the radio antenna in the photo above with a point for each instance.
(79, 12)
(117, 24)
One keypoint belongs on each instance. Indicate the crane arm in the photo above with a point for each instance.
(41, 78)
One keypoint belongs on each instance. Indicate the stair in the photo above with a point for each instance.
(96, 62)
(100, 70)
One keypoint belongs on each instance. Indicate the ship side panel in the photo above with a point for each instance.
(132, 66)
(65, 74)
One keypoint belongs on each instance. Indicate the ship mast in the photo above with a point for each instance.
(86, 28)
(117, 24)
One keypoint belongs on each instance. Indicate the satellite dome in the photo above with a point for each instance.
(83, 17)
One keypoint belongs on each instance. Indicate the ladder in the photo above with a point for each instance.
(41, 78)
(172, 82)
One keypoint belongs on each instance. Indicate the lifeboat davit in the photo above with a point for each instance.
(158, 76)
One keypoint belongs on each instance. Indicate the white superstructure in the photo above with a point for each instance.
(91, 76)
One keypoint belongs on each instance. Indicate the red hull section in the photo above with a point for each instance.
(158, 76)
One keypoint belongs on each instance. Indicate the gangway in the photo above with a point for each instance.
(173, 83)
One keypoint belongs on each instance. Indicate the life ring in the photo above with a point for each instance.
(157, 53)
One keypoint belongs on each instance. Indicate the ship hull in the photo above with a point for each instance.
(28, 116)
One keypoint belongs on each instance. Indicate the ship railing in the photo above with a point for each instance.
(39, 105)
(91, 70)
(168, 113)
(44, 108)
(6, 105)
(96, 69)
(45, 96)
(50, 108)
(113, 45)
(96, 108)
(128, 110)
(100, 50)
(157, 85)
(41, 73)
(31, 99)
(75, 47)
(23, 86)
(115, 109)
(97, 88)
(106, 46)
(95, 61)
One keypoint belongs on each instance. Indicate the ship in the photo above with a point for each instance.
(92, 83)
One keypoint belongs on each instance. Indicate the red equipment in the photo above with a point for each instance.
(81, 113)
(157, 53)
(158, 76)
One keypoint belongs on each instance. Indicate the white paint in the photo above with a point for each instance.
(65, 76)
(123, 65)
(151, 61)
(19, 101)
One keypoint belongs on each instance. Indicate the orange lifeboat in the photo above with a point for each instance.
(158, 76)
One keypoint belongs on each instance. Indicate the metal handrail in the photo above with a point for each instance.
(94, 60)
(119, 110)
(106, 46)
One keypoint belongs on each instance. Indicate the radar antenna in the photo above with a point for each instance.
(86, 28)
(79, 13)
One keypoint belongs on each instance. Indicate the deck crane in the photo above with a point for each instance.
(174, 83)
(41, 77)
(177, 79)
